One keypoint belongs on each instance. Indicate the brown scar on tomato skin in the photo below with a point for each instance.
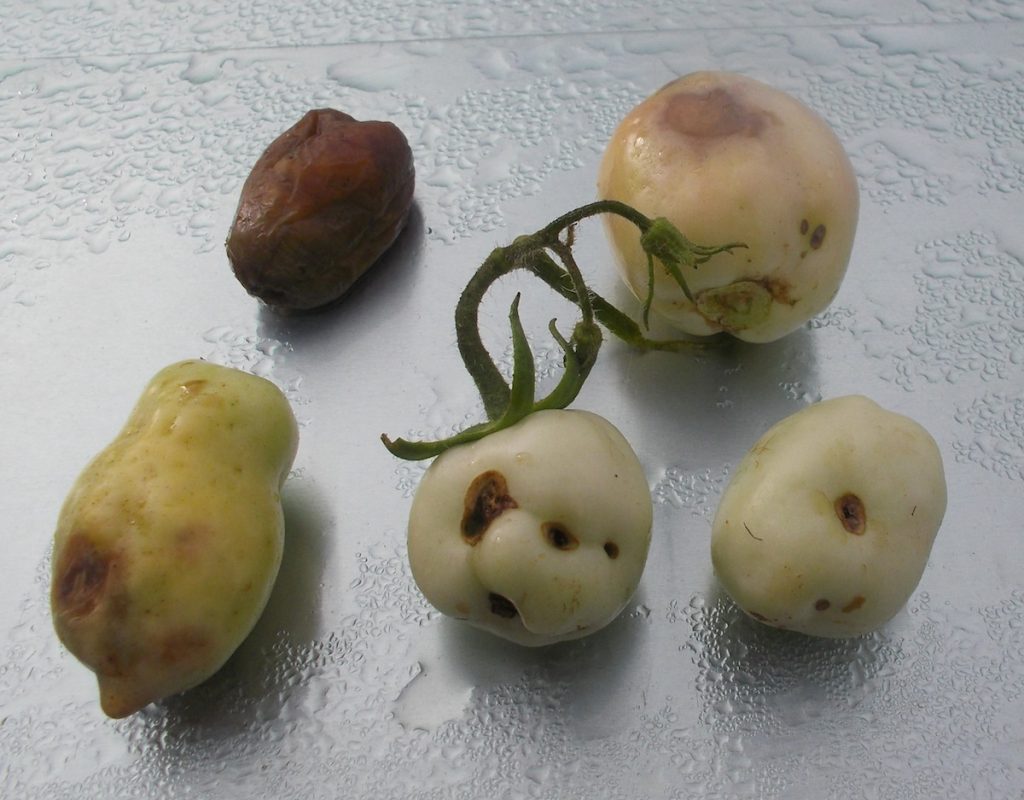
(191, 542)
(759, 617)
(119, 652)
(817, 237)
(854, 604)
(486, 499)
(714, 113)
(779, 290)
(822, 605)
(558, 536)
(850, 510)
(184, 646)
(81, 576)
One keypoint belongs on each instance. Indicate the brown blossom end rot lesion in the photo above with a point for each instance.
(486, 499)
(851, 513)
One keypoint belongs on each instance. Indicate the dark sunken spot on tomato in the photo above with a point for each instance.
(502, 606)
(486, 499)
(851, 513)
(81, 576)
(558, 536)
(714, 113)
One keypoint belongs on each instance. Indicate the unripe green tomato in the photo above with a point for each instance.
(169, 542)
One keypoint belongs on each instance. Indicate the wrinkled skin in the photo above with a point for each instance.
(729, 159)
(169, 543)
(827, 523)
(325, 200)
(537, 533)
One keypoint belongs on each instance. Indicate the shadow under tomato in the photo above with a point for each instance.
(593, 680)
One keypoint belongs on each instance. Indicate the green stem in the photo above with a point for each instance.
(488, 378)
(620, 324)
(520, 402)
(580, 290)
(552, 231)
(507, 404)
(578, 361)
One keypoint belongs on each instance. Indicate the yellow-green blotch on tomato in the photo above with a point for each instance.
(169, 542)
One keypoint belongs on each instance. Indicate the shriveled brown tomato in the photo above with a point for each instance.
(321, 205)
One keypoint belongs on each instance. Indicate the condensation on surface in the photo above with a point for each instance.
(940, 122)
(698, 492)
(265, 356)
(964, 323)
(760, 713)
(63, 28)
(126, 131)
(137, 140)
(991, 433)
(149, 141)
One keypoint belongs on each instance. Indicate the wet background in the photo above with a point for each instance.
(126, 130)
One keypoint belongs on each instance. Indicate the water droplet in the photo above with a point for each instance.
(202, 68)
